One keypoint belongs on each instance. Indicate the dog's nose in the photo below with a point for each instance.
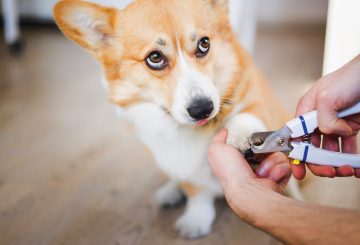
(201, 108)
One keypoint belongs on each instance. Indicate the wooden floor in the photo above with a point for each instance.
(71, 172)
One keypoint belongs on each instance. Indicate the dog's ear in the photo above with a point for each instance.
(220, 11)
(218, 4)
(88, 24)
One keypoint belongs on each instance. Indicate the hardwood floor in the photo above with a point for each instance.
(71, 172)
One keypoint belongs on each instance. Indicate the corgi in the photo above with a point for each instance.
(177, 71)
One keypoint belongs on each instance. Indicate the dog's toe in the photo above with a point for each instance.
(240, 141)
(192, 228)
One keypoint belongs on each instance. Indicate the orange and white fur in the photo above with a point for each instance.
(176, 70)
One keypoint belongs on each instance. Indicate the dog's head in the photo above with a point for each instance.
(179, 54)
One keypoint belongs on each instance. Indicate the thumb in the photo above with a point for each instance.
(227, 163)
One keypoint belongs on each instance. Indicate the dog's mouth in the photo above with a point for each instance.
(201, 111)
(206, 121)
(196, 115)
(197, 123)
(202, 122)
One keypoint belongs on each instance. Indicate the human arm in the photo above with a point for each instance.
(332, 93)
(257, 200)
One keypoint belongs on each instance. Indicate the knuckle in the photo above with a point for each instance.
(324, 97)
(326, 128)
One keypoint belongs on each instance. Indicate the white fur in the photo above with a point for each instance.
(198, 217)
(192, 84)
(169, 194)
(240, 128)
(104, 83)
(181, 153)
(180, 150)
(84, 20)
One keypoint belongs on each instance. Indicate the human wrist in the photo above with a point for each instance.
(253, 202)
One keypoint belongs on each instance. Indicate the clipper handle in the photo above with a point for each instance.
(307, 123)
(306, 152)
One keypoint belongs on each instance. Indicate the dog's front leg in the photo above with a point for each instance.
(240, 128)
(170, 194)
(199, 213)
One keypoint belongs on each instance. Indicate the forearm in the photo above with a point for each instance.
(295, 222)
(256, 200)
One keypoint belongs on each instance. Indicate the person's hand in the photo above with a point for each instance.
(333, 93)
(241, 185)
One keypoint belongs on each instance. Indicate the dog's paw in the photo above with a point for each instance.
(198, 218)
(240, 128)
(240, 140)
(192, 226)
(169, 195)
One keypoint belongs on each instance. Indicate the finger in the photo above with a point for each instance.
(331, 143)
(226, 162)
(328, 121)
(354, 123)
(350, 145)
(220, 137)
(345, 171)
(316, 139)
(322, 171)
(228, 168)
(280, 173)
(298, 170)
(269, 162)
(357, 173)
(307, 102)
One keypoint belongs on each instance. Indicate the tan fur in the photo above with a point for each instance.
(123, 52)
(189, 189)
(121, 40)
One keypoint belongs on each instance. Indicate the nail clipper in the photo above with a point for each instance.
(304, 151)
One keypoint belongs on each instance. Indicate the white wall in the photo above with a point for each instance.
(293, 11)
(342, 34)
(36, 8)
(42, 9)
(270, 11)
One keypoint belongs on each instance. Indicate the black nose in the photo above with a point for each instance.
(201, 108)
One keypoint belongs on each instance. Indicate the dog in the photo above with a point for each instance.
(177, 71)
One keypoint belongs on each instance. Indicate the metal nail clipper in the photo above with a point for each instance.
(304, 151)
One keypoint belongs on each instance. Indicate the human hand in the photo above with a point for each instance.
(241, 185)
(332, 93)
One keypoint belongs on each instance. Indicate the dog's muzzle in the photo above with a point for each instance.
(201, 108)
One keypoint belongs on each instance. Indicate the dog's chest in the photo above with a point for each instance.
(179, 151)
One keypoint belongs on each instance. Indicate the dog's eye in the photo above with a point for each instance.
(203, 47)
(156, 60)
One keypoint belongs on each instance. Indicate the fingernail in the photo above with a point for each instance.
(262, 171)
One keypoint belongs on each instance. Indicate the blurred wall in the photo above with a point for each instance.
(292, 11)
(343, 34)
(270, 11)
(42, 9)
